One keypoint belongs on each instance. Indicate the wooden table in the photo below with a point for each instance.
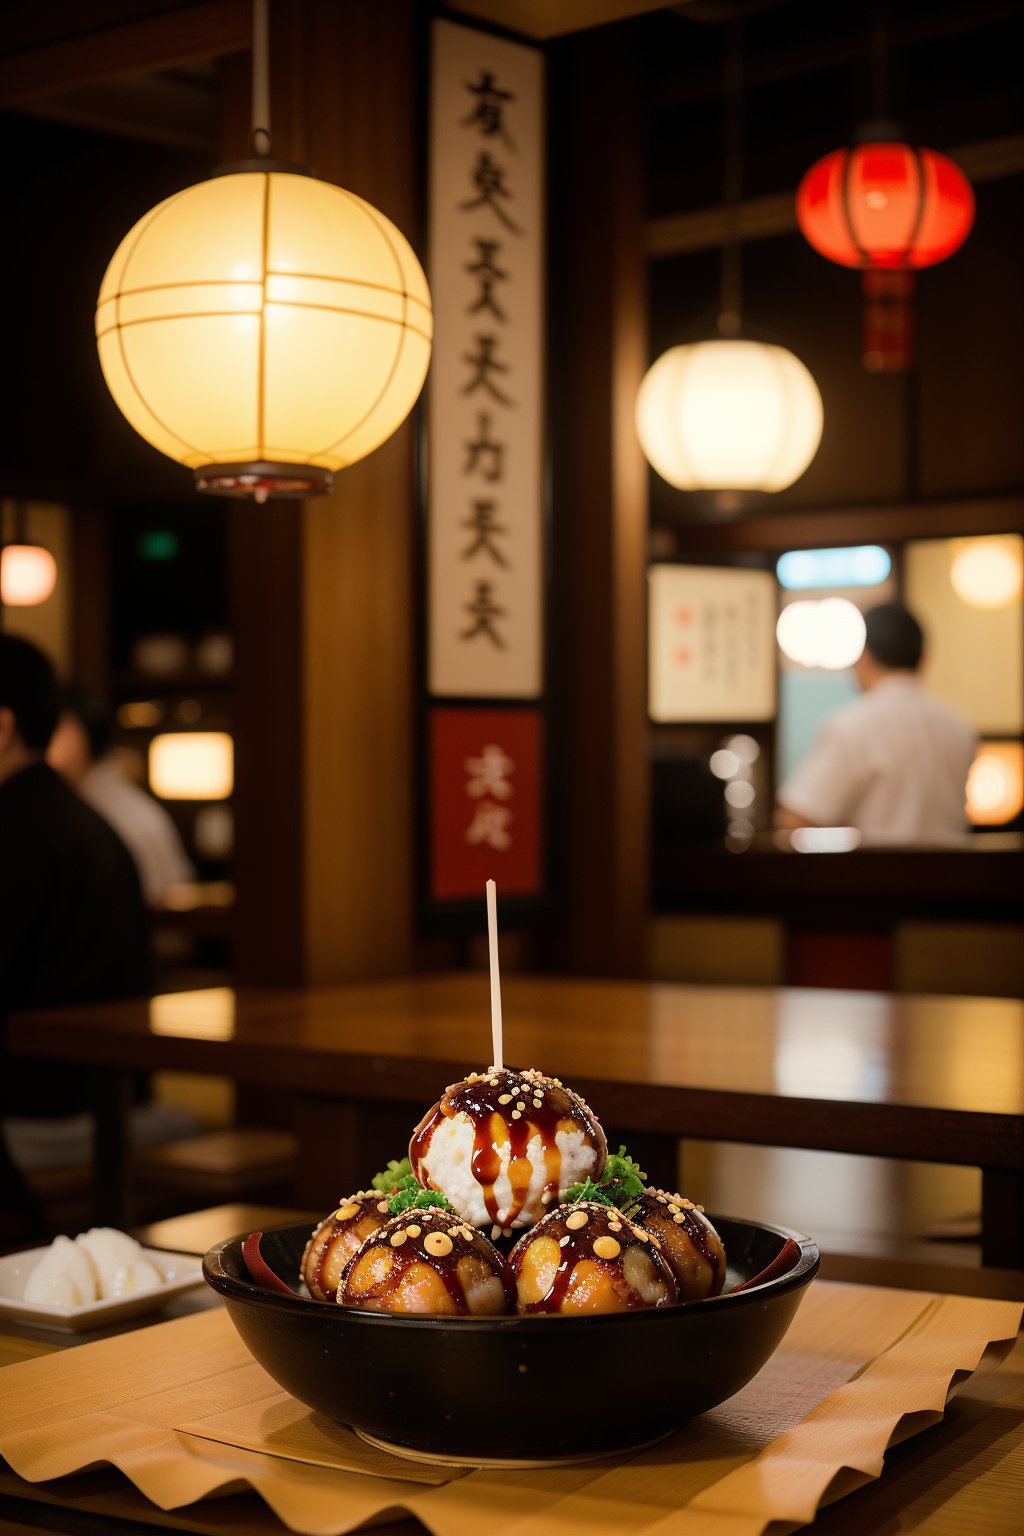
(936, 1079)
(962, 1477)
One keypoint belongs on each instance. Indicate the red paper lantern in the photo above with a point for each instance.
(888, 209)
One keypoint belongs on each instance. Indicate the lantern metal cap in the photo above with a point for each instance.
(263, 480)
(264, 164)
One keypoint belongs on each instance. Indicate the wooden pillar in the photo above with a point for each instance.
(324, 607)
(599, 504)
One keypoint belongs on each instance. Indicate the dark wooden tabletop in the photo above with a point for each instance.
(933, 1078)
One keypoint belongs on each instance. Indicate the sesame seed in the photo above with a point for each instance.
(437, 1244)
(577, 1220)
(495, 1233)
(383, 1207)
(563, 1240)
(414, 1230)
(516, 1115)
(504, 1098)
(398, 1238)
(521, 1104)
(347, 1211)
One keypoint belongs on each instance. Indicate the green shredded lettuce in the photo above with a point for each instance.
(622, 1183)
(405, 1191)
(392, 1176)
(409, 1195)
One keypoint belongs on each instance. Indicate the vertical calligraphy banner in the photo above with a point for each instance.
(485, 551)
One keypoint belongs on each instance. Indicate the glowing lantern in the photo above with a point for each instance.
(888, 209)
(995, 784)
(192, 765)
(28, 574)
(265, 329)
(987, 573)
(731, 415)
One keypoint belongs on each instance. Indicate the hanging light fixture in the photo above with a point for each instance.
(730, 414)
(887, 208)
(263, 327)
(28, 572)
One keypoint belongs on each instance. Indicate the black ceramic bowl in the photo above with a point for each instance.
(515, 1388)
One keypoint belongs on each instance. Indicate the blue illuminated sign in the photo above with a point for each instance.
(863, 566)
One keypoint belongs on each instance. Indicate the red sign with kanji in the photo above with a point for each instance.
(486, 797)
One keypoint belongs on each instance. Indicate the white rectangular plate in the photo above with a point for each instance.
(180, 1273)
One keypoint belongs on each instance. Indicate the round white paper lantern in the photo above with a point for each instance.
(28, 574)
(265, 329)
(729, 415)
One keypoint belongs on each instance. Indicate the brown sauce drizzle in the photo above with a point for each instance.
(493, 1125)
(412, 1251)
(694, 1225)
(580, 1245)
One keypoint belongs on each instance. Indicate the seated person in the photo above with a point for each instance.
(73, 923)
(892, 763)
(80, 751)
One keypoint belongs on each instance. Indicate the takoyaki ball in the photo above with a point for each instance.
(430, 1263)
(338, 1237)
(688, 1241)
(589, 1257)
(501, 1144)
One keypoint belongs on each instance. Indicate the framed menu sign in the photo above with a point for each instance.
(711, 644)
(485, 577)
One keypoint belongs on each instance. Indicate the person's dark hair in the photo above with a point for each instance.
(92, 716)
(28, 687)
(894, 637)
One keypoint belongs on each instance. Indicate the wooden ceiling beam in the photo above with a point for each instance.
(757, 218)
(172, 39)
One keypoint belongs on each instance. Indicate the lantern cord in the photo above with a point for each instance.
(260, 136)
(880, 60)
(731, 299)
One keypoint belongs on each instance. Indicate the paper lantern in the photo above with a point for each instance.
(265, 329)
(988, 572)
(888, 209)
(729, 415)
(28, 575)
(192, 765)
(995, 784)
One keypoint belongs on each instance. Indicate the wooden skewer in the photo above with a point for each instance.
(492, 944)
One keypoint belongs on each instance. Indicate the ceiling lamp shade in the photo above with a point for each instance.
(988, 572)
(265, 329)
(888, 209)
(731, 415)
(28, 575)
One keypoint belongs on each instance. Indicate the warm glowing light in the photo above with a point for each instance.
(192, 765)
(740, 794)
(140, 714)
(995, 784)
(724, 764)
(28, 574)
(828, 633)
(729, 415)
(265, 329)
(745, 748)
(988, 573)
(885, 205)
(863, 566)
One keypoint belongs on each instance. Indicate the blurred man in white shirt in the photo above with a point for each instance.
(893, 763)
(79, 750)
